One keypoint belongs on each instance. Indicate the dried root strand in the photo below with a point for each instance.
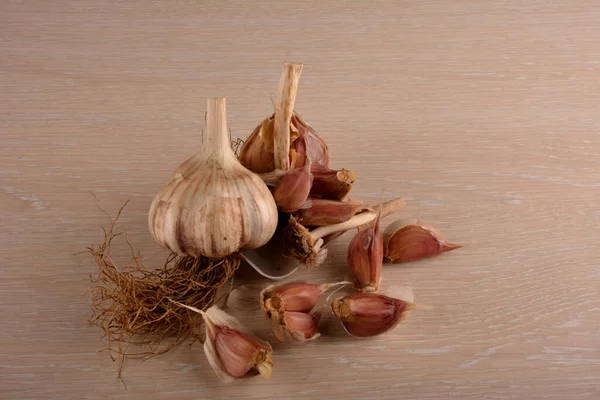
(133, 306)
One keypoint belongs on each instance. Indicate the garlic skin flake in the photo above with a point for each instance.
(211, 205)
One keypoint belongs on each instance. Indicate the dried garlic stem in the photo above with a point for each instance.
(286, 98)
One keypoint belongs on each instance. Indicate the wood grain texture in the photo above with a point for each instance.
(484, 115)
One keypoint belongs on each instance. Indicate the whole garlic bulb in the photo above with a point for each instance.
(211, 205)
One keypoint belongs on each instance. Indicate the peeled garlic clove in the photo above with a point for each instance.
(291, 192)
(406, 240)
(331, 184)
(370, 314)
(231, 353)
(365, 256)
(327, 212)
(308, 144)
(212, 206)
(257, 151)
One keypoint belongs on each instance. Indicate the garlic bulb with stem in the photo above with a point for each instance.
(284, 140)
(212, 206)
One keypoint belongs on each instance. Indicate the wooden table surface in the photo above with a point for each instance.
(485, 116)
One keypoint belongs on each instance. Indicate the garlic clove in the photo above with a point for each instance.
(365, 256)
(291, 192)
(370, 314)
(256, 153)
(331, 184)
(407, 240)
(242, 355)
(293, 296)
(212, 206)
(327, 212)
(232, 353)
(302, 326)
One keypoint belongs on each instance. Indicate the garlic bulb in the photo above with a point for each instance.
(212, 206)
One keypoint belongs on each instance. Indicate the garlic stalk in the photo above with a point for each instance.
(286, 98)
(212, 206)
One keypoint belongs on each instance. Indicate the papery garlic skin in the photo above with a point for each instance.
(245, 298)
(212, 206)
(370, 314)
(409, 239)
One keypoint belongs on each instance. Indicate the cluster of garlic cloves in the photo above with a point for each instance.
(292, 310)
(293, 160)
(308, 246)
